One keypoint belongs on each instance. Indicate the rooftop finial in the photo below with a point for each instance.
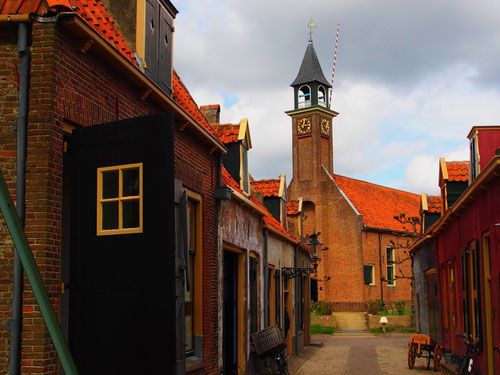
(311, 25)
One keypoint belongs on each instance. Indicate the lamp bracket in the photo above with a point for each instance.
(292, 272)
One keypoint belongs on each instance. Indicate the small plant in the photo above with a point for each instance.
(400, 306)
(380, 330)
(318, 328)
(374, 307)
(322, 307)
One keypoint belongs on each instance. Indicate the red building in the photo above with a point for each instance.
(117, 152)
(466, 241)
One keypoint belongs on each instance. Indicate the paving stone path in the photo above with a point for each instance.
(357, 354)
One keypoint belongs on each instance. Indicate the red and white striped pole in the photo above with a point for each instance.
(334, 61)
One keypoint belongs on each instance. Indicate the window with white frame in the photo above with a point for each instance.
(391, 275)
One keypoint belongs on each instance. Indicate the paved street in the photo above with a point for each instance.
(357, 354)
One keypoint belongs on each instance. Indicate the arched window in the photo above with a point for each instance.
(322, 96)
(304, 96)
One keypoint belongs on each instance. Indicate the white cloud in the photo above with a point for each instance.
(408, 89)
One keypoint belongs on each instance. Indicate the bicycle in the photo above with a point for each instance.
(276, 363)
(466, 364)
(269, 345)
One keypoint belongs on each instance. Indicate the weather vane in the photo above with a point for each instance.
(311, 25)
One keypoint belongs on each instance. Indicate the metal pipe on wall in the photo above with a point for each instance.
(22, 125)
(266, 278)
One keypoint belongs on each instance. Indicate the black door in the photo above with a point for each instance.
(230, 314)
(121, 289)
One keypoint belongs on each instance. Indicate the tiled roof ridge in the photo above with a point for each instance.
(264, 180)
(200, 117)
(269, 219)
(467, 162)
(374, 184)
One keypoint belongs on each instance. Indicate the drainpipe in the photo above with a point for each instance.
(22, 125)
(380, 265)
(298, 280)
(266, 277)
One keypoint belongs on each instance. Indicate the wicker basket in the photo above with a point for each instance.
(267, 340)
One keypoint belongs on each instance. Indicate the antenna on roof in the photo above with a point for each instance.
(311, 25)
(334, 60)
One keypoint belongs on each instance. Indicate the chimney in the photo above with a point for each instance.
(211, 112)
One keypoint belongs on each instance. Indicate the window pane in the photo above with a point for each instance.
(130, 182)
(131, 213)
(192, 225)
(110, 184)
(110, 215)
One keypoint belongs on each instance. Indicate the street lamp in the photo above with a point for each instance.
(292, 272)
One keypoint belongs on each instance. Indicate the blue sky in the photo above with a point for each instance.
(412, 78)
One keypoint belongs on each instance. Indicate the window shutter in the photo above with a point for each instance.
(165, 51)
(367, 270)
(151, 44)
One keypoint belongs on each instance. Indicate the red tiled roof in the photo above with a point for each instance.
(268, 219)
(32, 6)
(227, 133)
(292, 207)
(182, 97)
(229, 181)
(92, 11)
(433, 204)
(458, 170)
(213, 106)
(379, 204)
(268, 188)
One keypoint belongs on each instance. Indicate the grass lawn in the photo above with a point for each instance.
(318, 328)
(394, 329)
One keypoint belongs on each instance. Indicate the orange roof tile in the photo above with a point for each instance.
(268, 188)
(227, 133)
(182, 97)
(32, 6)
(433, 203)
(268, 219)
(379, 204)
(292, 207)
(92, 11)
(228, 180)
(458, 170)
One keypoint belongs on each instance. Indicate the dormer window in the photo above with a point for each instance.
(245, 180)
(155, 27)
(474, 159)
(304, 96)
(322, 96)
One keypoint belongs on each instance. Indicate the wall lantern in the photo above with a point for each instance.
(292, 272)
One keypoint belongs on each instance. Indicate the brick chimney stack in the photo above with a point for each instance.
(211, 112)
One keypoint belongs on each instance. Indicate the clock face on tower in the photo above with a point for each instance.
(325, 127)
(303, 126)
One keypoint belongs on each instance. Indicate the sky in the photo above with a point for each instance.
(411, 79)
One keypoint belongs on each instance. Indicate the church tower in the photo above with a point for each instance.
(312, 131)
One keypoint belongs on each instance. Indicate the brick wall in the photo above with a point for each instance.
(197, 169)
(8, 147)
(60, 77)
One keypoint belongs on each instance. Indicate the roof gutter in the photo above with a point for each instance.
(81, 29)
(15, 18)
(247, 202)
(281, 234)
(390, 231)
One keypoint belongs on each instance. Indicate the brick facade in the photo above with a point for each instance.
(68, 86)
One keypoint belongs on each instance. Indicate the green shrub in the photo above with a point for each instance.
(375, 307)
(322, 307)
(400, 306)
(318, 328)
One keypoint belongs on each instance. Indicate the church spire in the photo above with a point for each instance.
(310, 69)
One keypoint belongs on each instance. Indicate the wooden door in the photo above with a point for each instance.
(121, 271)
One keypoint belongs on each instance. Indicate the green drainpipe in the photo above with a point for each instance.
(23, 249)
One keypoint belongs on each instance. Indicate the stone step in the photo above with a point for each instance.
(350, 320)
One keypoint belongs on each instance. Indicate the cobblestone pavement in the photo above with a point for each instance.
(357, 354)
